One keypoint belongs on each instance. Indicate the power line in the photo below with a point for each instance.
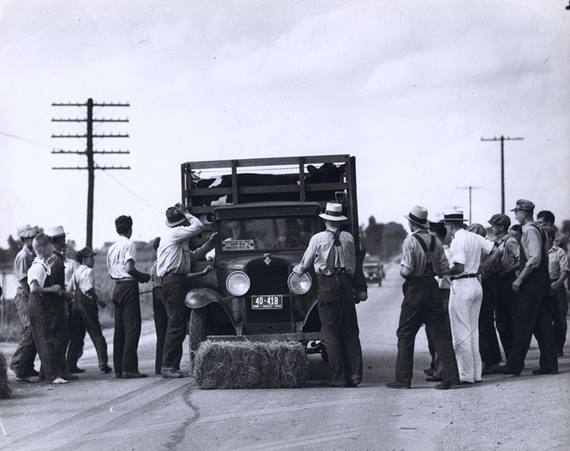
(89, 152)
(26, 140)
(60, 151)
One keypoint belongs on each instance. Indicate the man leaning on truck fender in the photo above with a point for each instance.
(332, 254)
(174, 263)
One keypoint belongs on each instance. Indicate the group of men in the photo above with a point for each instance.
(56, 302)
(170, 275)
(514, 281)
(481, 281)
(56, 313)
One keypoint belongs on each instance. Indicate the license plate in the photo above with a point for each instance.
(267, 302)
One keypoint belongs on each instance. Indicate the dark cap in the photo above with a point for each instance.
(500, 219)
(84, 253)
(524, 205)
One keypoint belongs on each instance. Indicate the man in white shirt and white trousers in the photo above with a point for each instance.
(467, 294)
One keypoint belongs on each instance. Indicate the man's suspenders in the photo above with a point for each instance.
(428, 253)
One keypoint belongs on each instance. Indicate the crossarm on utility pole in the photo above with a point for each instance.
(503, 139)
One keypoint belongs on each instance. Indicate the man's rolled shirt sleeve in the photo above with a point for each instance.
(408, 258)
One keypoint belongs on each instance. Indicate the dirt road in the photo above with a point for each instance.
(99, 412)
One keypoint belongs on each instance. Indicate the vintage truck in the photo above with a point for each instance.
(373, 270)
(264, 212)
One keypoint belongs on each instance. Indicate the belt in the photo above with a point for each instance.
(464, 276)
(174, 273)
(338, 270)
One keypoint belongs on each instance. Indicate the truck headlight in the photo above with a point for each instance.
(299, 284)
(238, 283)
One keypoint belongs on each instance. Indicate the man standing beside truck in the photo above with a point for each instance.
(174, 263)
(332, 253)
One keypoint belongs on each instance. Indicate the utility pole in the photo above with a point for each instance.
(470, 188)
(89, 152)
(503, 139)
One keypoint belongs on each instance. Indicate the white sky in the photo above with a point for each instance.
(408, 87)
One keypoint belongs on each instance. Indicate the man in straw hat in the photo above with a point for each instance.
(57, 267)
(173, 264)
(423, 258)
(534, 310)
(22, 362)
(466, 296)
(332, 254)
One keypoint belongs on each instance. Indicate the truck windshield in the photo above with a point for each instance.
(266, 233)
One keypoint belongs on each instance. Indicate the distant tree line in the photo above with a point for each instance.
(383, 240)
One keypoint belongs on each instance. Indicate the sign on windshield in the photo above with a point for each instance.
(265, 233)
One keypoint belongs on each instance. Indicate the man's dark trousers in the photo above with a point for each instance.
(22, 362)
(422, 304)
(506, 311)
(127, 326)
(534, 316)
(85, 318)
(160, 317)
(175, 287)
(560, 304)
(339, 326)
(488, 342)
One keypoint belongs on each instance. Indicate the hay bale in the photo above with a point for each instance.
(5, 390)
(233, 364)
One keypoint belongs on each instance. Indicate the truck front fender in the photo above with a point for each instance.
(200, 297)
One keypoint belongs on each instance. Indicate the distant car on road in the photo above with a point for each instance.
(374, 271)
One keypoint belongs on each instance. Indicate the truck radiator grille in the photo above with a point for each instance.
(268, 279)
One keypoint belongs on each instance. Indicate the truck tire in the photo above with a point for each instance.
(197, 330)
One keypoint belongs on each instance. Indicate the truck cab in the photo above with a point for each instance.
(254, 294)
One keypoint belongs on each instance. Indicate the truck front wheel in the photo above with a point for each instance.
(197, 330)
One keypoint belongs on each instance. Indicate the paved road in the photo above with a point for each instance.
(99, 412)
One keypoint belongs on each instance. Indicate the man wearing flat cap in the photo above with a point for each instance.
(57, 268)
(22, 362)
(84, 313)
(423, 258)
(332, 255)
(505, 275)
(173, 265)
(534, 310)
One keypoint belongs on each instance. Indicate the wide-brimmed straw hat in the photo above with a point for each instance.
(418, 216)
(54, 232)
(455, 216)
(174, 217)
(333, 212)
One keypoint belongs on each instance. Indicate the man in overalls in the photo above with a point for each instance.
(57, 266)
(535, 305)
(332, 255)
(423, 258)
(22, 362)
